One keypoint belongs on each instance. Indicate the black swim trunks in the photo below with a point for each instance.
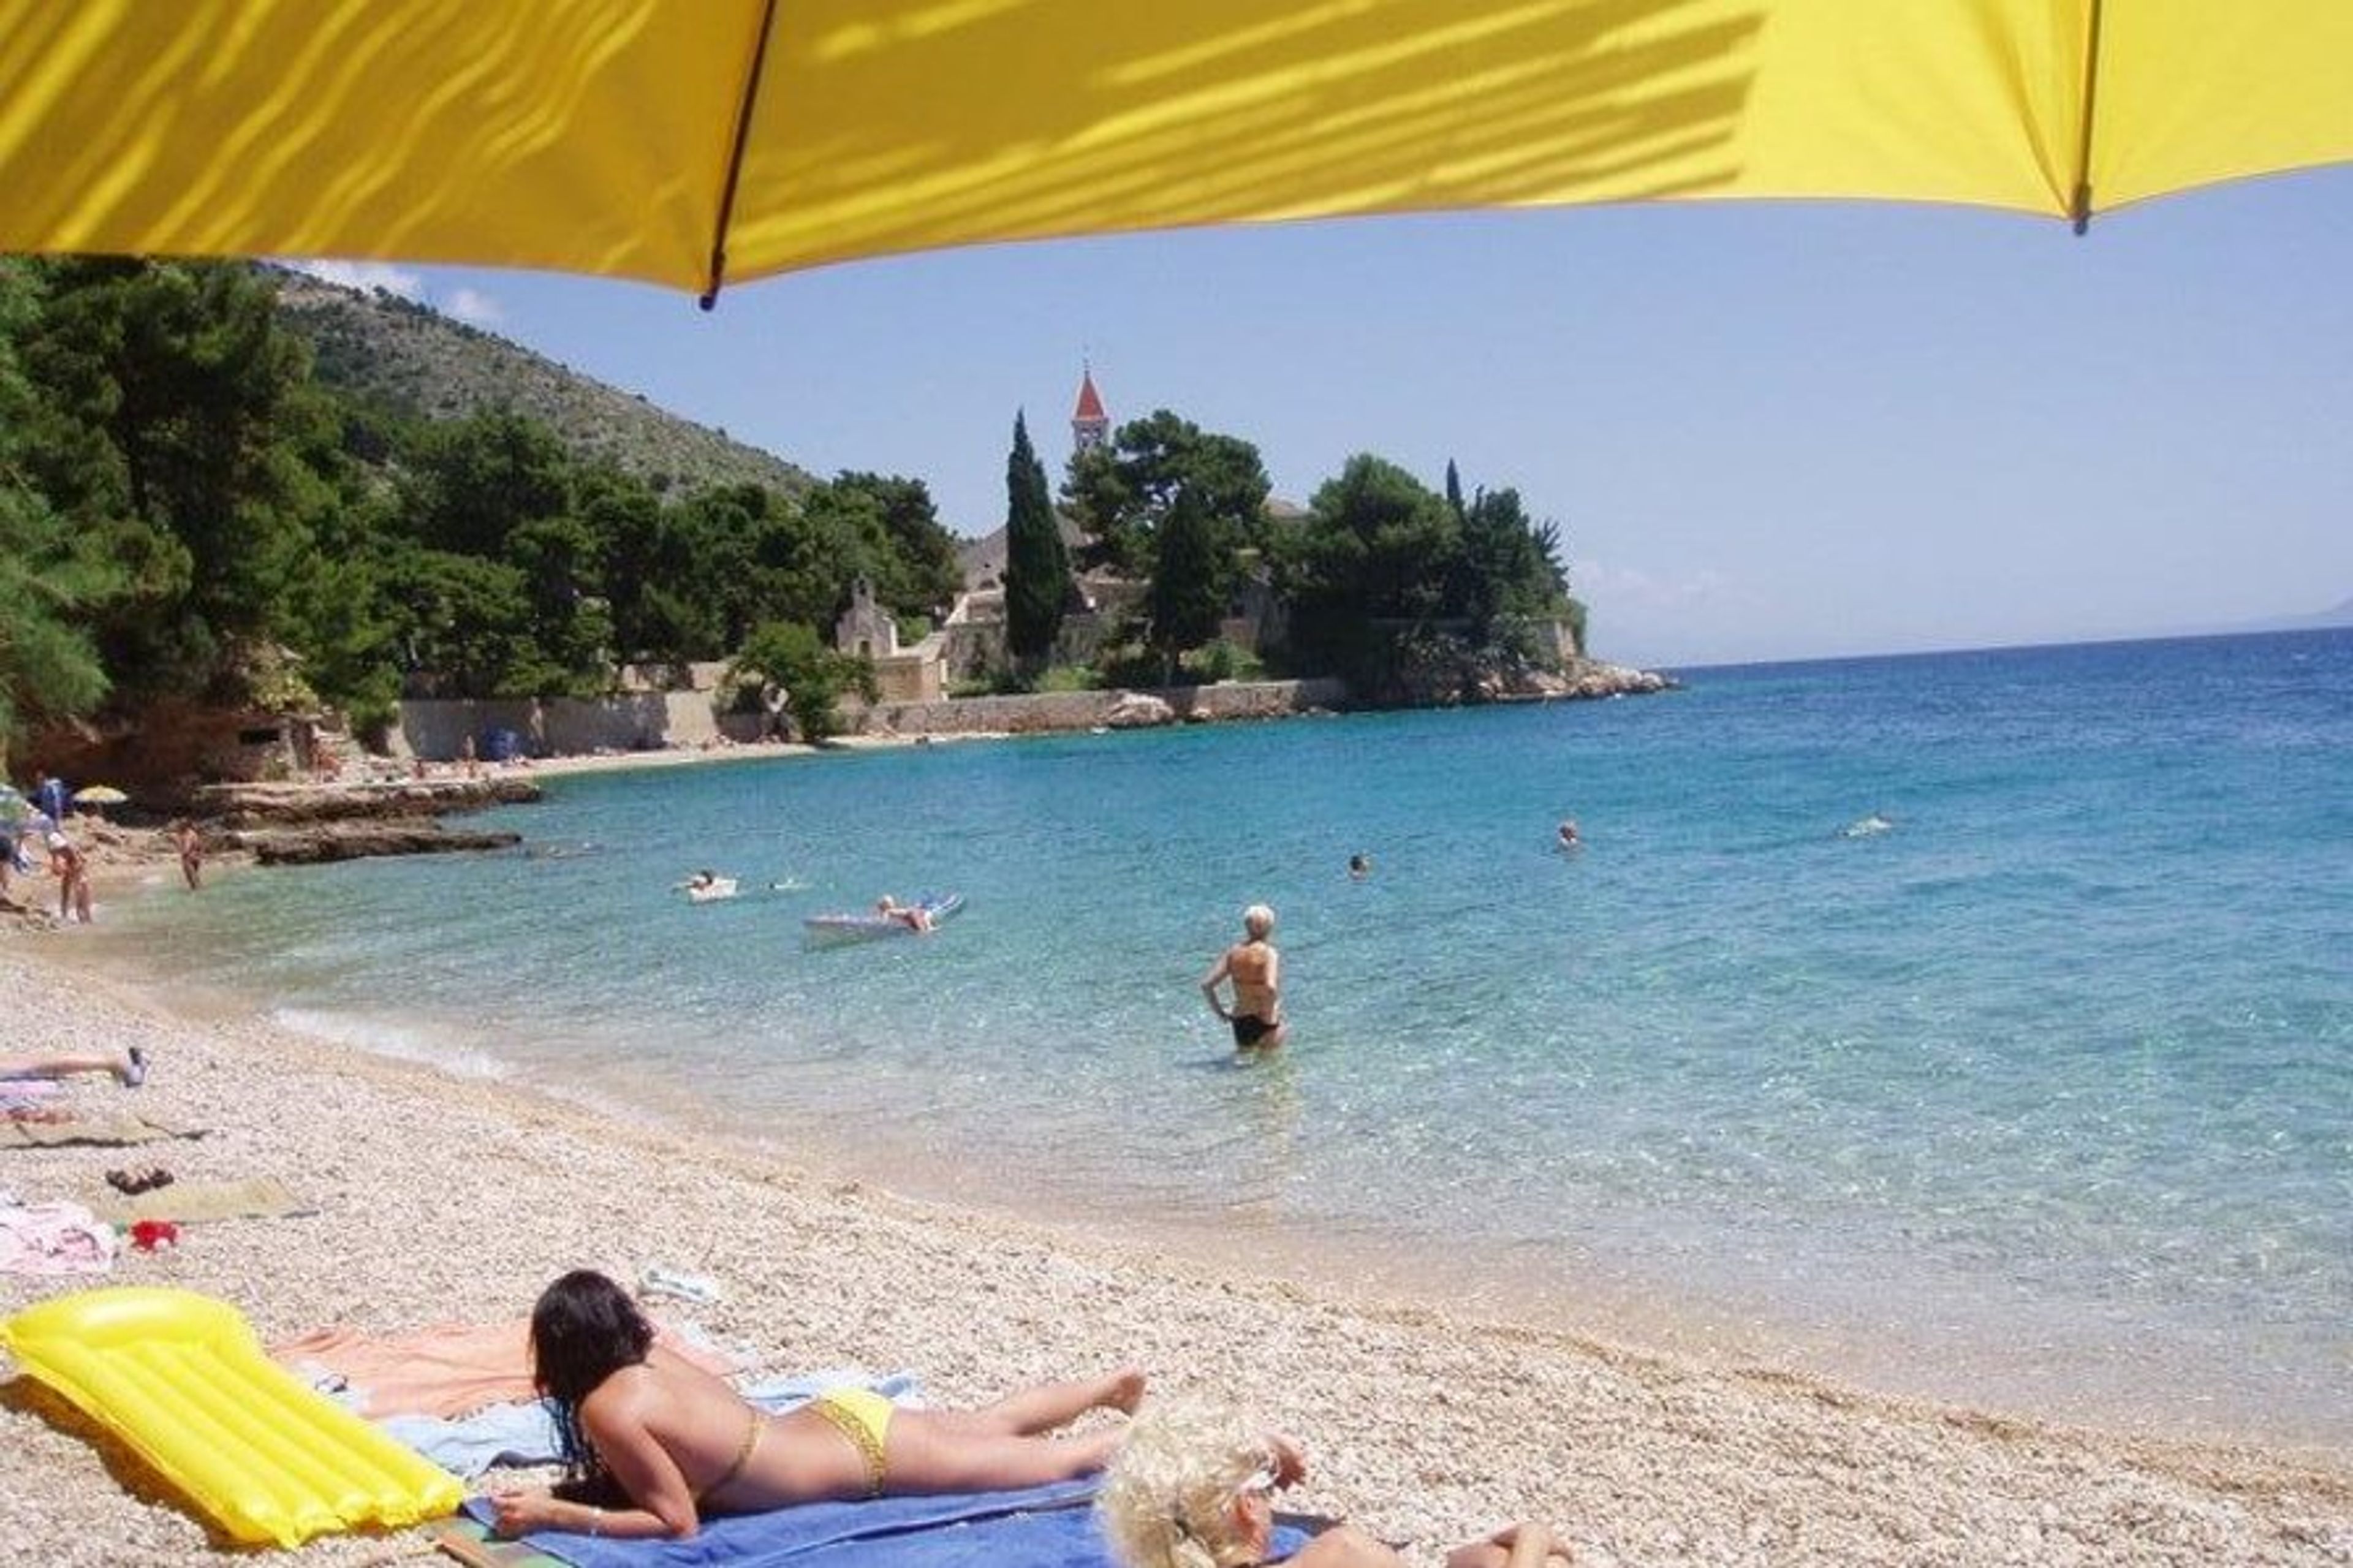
(1250, 1030)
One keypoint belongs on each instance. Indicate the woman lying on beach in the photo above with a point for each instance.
(1194, 1487)
(654, 1443)
(129, 1067)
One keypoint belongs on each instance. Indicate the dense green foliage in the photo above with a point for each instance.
(1389, 580)
(1122, 493)
(787, 657)
(1037, 566)
(1188, 600)
(183, 504)
(189, 508)
(50, 574)
(1385, 580)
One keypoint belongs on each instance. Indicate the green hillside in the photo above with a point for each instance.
(415, 362)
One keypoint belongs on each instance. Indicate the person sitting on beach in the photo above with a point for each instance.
(654, 1443)
(1194, 1486)
(915, 917)
(1254, 969)
(129, 1067)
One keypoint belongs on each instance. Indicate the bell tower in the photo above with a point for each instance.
(1089, 426)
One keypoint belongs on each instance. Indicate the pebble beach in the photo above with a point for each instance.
(440, 1199)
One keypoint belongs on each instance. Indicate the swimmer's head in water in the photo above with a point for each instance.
(1258, 919)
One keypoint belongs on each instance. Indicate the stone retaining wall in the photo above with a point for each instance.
(1045, 712)
(566, 726)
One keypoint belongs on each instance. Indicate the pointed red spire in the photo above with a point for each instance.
(1091, 408)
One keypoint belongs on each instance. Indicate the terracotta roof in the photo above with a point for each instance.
(1090, 403)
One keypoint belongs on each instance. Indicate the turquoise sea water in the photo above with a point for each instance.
(2041, 1099)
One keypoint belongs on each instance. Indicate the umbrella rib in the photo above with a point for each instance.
(718, 271)
(2081, 201)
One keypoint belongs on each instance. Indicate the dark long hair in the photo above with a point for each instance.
(583, 1329)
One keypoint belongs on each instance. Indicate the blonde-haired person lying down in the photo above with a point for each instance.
(1194, 1486)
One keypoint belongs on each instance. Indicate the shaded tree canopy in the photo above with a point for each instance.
(182, 504)
(1121, 494)
(52, 574)
(1384, 563)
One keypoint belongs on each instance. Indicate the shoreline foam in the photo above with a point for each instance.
(443, 1198)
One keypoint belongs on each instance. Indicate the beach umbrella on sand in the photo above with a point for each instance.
(100, 795)
(692, 142)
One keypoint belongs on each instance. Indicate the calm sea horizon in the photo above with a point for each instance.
(2038, 1099)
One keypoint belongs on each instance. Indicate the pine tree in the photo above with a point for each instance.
(1187, 599)
(1036, 567)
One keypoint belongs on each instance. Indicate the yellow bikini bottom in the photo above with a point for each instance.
(864, 1418)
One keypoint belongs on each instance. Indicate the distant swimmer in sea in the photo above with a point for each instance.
(1878, 822)
(1569, 835)
(1254, 969)
(1360, 865)
(915, 917)
(191, 845)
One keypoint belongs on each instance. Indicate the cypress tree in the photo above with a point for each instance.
(1036, 567)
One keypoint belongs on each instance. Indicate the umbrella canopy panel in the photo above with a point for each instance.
(601, 135)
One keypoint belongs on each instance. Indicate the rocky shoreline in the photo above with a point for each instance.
(313, 822)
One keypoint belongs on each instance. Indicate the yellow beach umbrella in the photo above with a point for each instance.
(693, 141)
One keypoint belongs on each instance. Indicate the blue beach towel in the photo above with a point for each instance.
(1041, 1526)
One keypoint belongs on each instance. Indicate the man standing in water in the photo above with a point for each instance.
(1255, 970)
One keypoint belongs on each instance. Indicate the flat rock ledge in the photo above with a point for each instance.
(1589, 680)
(253, 805)
(319, 843)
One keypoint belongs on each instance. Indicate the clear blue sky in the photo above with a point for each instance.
(1766, 431)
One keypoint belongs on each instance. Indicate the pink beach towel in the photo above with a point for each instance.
(449, 1372)
(53, 1238)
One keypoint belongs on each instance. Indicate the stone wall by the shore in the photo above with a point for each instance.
(569, 726)
(649, 721)
(1043, 712)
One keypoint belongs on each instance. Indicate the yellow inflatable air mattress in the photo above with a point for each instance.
(182, 1379)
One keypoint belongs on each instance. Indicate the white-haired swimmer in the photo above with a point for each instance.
(1254, 969)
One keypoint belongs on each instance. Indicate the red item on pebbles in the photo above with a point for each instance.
(147, 1235)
